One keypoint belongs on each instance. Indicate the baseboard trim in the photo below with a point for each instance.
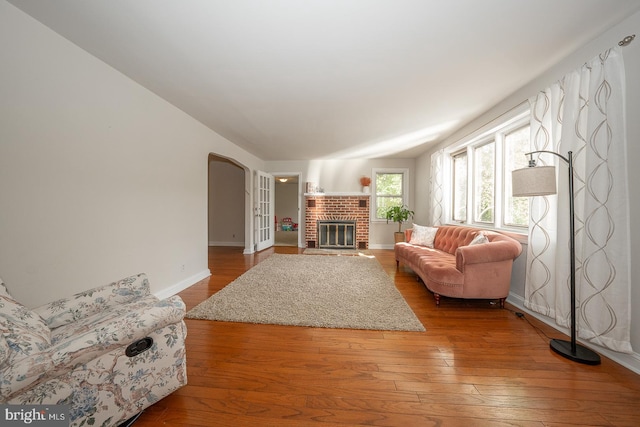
(182, 285)
(241, 244)
(629, 361)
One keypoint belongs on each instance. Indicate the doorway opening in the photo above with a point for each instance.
(228, 204)
(287, 209)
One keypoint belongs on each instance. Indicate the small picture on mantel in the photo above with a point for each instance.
(312, 187)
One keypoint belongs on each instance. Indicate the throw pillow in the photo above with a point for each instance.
(479, 239)
(423, 236)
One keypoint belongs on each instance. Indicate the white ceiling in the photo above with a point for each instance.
(310, 79)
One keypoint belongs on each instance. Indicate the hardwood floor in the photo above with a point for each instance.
(476, 365)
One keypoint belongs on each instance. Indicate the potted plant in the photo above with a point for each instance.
(398, 214)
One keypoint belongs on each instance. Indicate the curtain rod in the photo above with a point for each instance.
(627, 40)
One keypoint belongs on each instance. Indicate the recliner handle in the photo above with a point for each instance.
(139, 346)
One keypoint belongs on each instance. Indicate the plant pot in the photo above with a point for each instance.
(398, 236)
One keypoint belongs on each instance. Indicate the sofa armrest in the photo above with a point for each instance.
(88, 303)
(495, 251)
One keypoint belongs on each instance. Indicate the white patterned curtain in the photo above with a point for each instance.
(584, 113)
(435, 187)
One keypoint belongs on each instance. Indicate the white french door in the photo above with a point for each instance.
(265, 221)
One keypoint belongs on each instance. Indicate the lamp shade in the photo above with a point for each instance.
(533, 181)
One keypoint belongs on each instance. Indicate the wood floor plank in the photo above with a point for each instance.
(476, 365)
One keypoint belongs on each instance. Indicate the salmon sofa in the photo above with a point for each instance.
(459, 261)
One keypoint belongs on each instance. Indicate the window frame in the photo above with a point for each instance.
(374, 190)
(454, 186)
(474, 178)
(494, 132)
(507, 173)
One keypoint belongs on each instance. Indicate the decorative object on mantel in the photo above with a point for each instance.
(365, 181)
(311, 187)
(398, 214)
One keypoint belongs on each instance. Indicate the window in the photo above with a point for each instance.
(516, 145)
(481, 176)
(390, 189)
(460, 187)
(484, 179)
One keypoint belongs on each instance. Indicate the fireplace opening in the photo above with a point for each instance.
(334, 234)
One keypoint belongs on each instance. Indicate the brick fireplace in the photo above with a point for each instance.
(336, 208)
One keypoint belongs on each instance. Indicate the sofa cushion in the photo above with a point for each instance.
(73, 330)
(423, 236)
(441, 268)
(23, 331)
(450, 238)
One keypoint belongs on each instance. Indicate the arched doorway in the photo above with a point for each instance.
(229, 205)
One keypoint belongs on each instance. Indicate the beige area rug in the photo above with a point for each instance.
(343, 252)
(318, 291)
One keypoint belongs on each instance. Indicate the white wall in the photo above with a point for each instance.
(344, 176)
(99, 178)
(631, 55)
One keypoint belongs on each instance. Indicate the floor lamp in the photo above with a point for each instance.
(541, 181)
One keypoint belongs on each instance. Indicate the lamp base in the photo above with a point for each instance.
(582, 354)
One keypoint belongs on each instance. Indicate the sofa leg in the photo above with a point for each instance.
(437, 297)
(397, 265)
(502, 300)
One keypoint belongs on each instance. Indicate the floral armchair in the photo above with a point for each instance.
(108, 353)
